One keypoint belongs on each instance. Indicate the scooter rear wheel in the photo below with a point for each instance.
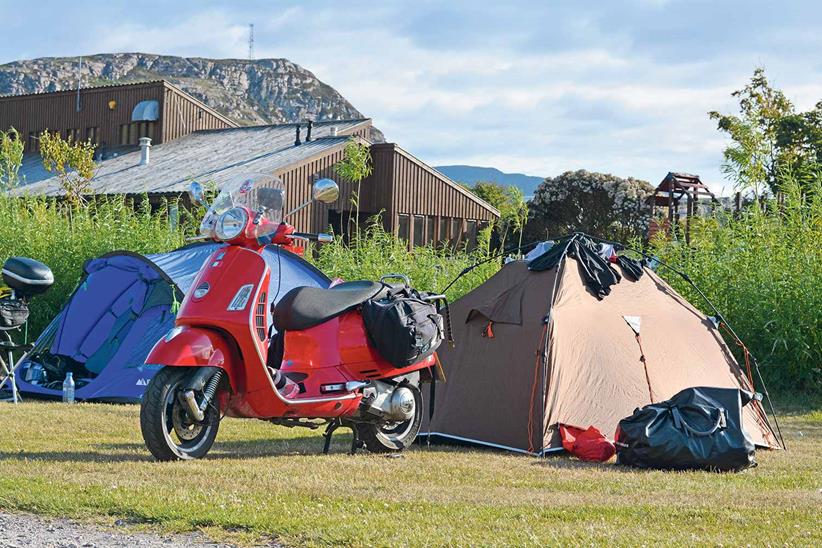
(393, 437)
(169, 432)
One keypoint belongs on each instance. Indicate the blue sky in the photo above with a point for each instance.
(534, 87)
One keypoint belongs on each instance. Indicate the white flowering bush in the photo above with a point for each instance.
(599, 204)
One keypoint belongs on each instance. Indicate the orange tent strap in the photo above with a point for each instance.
(745, 353)
(489, 332)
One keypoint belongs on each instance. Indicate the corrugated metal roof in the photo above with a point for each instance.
(91, 88)
(208, 156)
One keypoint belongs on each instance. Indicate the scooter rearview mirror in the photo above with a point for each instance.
(196, 193)
(325, 191)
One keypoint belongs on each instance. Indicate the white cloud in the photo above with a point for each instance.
(530, 87)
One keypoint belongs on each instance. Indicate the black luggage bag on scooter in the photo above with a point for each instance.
(403, 326)
(13, 313)
(698, 428)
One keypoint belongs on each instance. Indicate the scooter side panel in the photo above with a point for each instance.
(338, 348)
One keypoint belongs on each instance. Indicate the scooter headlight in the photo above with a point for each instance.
(231, 223)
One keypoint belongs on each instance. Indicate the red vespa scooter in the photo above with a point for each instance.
(320, 367)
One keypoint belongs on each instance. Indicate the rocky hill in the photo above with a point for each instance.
(262, 91)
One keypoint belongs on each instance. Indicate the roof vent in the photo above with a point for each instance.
(146, 111)
(333, 131)
(297, 141)
(309, 125)
(145, 147)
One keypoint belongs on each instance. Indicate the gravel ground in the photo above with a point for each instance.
(24, 530)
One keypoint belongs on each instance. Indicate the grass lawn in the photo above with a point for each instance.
(262, 482)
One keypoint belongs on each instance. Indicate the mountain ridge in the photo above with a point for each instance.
(470, 175)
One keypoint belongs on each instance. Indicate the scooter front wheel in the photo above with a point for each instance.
(170, 433)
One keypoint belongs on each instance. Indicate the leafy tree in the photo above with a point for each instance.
(519, 213)
(768, 136)
(596, 203)
(356, 165)
(11, 158)
(72, 161)
(511, 204)
(491, 192)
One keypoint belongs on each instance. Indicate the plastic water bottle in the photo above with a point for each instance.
(68, 388)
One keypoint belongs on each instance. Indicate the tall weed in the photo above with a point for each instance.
(65, 237)
(763, 270)
(376, 253)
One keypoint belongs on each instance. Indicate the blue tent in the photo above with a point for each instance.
(122, 306)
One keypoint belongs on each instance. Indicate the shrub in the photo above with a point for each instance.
(763, 271)
(599, 204)
(11, 158)
(65, 237)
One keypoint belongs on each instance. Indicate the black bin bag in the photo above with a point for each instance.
(698, 428)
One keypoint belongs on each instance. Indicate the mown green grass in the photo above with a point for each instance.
(262, 482)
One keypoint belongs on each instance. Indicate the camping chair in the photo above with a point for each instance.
(7, 349)
(8, 366)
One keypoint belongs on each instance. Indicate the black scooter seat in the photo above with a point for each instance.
(305, 307)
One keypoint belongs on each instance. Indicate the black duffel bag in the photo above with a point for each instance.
(13, 313)
(698, 428)
(403, 326)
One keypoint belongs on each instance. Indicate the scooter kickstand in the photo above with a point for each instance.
(329, 431)
(356, 442)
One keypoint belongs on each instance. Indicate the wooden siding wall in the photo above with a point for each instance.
(179, 114)
(58, 111)
(421, 190)
(182, 115)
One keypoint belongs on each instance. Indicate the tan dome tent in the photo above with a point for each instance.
(562, 340)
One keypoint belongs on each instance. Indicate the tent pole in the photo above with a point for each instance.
(544, 349)
(468, 269)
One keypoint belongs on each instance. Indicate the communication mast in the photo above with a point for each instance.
(251, 41)
(79, 81)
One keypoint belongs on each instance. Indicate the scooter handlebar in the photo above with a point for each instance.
(321, 237)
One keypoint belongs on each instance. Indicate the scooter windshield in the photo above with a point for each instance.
(262, 194)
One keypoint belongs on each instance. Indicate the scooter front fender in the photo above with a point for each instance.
(186, 346)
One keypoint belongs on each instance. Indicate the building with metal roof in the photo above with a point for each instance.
(110, 116)
(415, 201)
